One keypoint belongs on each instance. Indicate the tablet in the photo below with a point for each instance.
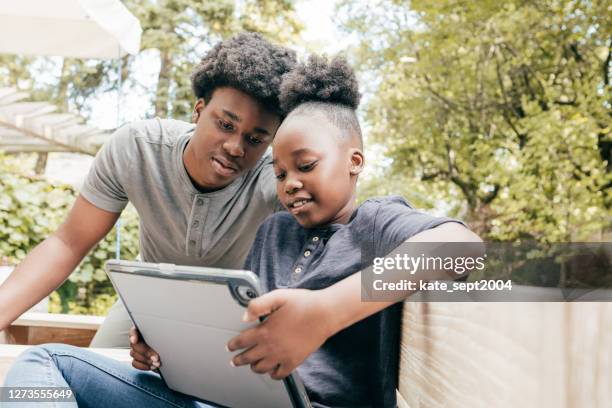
(188, 314)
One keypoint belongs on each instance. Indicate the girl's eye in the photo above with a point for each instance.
(280, 176)
(253, 140)
(307, 167)
(225, 125)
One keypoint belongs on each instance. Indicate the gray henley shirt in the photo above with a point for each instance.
(143, 164)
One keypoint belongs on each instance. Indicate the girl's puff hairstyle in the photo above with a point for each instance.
(323, 86)
(247, 62)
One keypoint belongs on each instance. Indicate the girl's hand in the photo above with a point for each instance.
(298, 322)
(144, 357)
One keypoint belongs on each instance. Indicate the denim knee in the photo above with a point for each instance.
(44, 351)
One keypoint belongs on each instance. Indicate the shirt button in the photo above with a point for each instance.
(196, 223)
(315, 239)
(298, 270)
(200, 201)
(192, 242)
(307, 254)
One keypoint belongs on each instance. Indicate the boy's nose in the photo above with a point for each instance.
(233, 148)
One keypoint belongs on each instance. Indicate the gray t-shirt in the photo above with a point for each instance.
(143, 164)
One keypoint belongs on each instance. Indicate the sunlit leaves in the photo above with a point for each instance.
(500, 109)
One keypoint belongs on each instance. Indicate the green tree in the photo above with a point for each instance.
(501, 109)
(182, 30)
(31, 208)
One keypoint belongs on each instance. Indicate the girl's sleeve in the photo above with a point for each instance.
(396, 221)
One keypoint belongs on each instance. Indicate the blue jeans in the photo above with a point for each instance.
(95, 380)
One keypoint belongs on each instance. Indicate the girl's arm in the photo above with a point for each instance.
(300, 320)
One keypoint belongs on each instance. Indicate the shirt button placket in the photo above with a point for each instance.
(195, 225)
(306, 254)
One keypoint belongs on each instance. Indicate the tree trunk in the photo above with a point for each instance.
(480, 219)
(163, 84)
(41, 163)
(61, 97)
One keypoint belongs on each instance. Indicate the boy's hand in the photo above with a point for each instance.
(144, 357)
(298, 323)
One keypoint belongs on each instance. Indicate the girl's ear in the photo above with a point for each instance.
(197, 109)
(357, 161)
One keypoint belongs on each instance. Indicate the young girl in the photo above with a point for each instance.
(322, 238)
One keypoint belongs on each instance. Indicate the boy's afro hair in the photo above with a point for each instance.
(247, 62)
(318, 80)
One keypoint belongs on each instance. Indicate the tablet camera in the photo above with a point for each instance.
(246, 293)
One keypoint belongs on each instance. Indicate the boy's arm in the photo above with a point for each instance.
(299, 321)
(50, 263)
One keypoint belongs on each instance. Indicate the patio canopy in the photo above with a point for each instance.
(70, 28)
(35, 127)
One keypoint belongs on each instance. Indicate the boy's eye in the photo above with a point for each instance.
(253, 140)
(225, 125)
(280, 176)
(307, 166)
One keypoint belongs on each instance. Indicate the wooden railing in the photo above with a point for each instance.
(528, 355)
(38, 328)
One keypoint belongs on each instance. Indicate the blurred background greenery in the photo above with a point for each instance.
(497, 113)
(31, 208)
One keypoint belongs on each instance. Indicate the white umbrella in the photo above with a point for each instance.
(69, 28)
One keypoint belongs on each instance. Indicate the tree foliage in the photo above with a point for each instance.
(181, 31)
(501, 109)
(31, 208)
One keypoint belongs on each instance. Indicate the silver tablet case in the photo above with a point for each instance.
(188, 314)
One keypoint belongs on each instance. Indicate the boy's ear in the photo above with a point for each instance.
(197, 110)
(357, 161)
